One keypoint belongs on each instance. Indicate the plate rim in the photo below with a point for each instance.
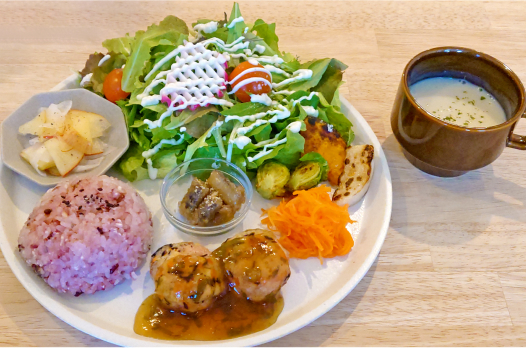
(304, 320)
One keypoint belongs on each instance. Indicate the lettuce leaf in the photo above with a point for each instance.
(220, 33)
(165, 160)
(238, 29)
(332, 115)
(319, 68)
(331, 80)
(129, 112)
(119, 45)
(199, 143)
(200, 125)
(268, 33)
(91, 63)
(244, 109)
(187, 116)
(260, 133)
(131, 164)
(288, 153)
(168, 31)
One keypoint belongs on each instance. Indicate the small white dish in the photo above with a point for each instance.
(13, 143)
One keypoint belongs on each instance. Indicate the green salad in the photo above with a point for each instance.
(221, 88)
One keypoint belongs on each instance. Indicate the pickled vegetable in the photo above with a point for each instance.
(212, 202)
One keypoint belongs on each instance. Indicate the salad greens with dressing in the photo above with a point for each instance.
(179, 106)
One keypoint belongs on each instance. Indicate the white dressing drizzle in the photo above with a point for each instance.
(251, 70)
(235, 21)
(259, 49)
(308, 97)
(262, 59)
(261, 98)
(242, 141)
(311, 111)
(152, 172)
(86, 79)
(187, 48)
(156, 148)
(285, 92)
(268, 141)
(105, 58)
(206, 28)
(275, 70)
(216, 125)
(246, 30)
(250, 80)
(196, 77)
(231, 47)
(266, 150)
(298, 75)
(253, 61)
(279, 114)
(295, 127)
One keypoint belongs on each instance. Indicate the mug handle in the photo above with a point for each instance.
(516, 141)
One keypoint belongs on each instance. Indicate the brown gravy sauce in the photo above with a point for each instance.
(229, 316)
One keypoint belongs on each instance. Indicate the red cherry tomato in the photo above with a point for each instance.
(112, 86)
(255, 87)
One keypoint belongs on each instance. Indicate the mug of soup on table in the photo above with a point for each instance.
(455, 110)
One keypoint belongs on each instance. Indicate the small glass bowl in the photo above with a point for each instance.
(176, 183)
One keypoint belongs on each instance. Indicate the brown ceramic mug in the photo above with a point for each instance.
(441, 148)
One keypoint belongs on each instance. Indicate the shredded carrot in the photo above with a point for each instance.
(311, 224)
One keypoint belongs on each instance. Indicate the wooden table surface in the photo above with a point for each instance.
(452, 268)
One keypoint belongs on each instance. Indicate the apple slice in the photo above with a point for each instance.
(38, 156)
(56, 116)
(65, 161)
(81, 124)
(53, 171)
(34, 126)
(97, 123)
(96, 148)
(76, 140)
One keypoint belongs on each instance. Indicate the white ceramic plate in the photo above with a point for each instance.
(313, 289)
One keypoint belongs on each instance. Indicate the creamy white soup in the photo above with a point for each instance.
(458, 101)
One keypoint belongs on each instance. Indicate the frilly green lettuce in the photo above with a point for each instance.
(206, 134)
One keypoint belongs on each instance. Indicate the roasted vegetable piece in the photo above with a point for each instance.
(230, 193)
(323, 139)
(355, 180)
(271, 180)
(306, 175)
(212, 202)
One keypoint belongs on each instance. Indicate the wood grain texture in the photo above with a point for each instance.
(452, 269)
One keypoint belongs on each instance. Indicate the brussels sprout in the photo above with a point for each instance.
(271, 180)
(306, 175)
